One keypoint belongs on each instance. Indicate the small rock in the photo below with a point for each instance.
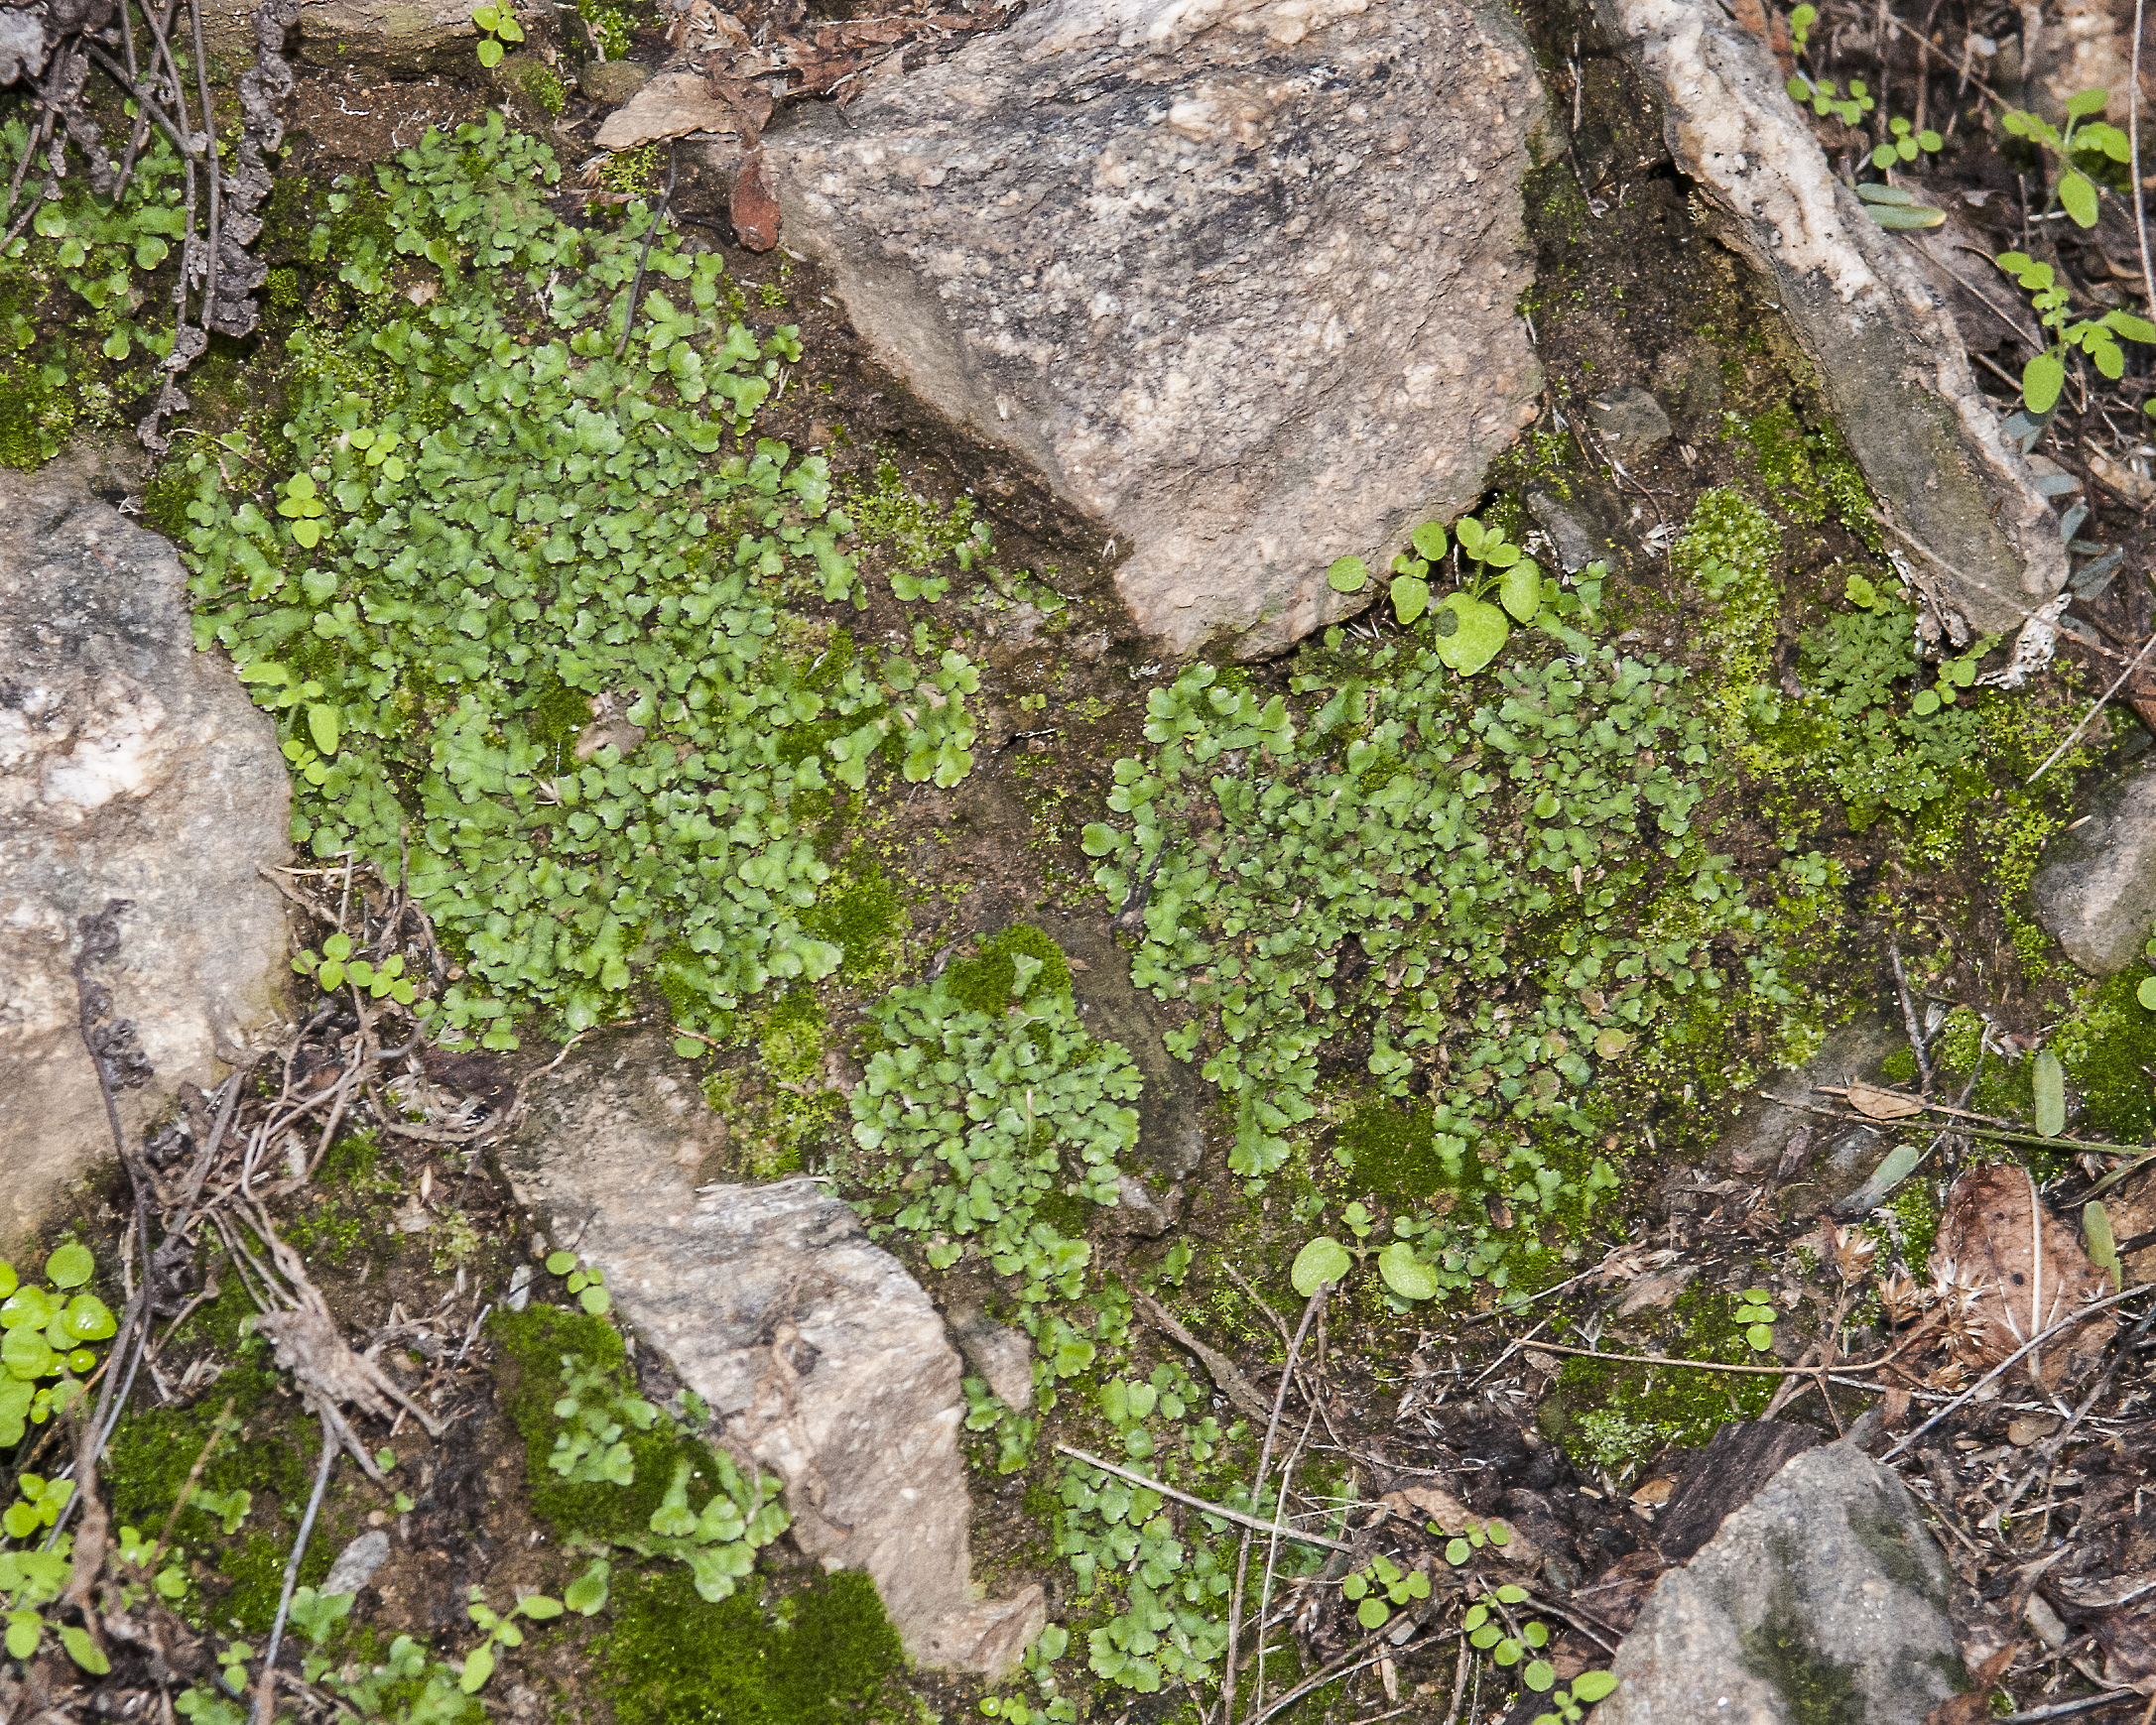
(1000, 1354)
(131, 766)
(1861, 304)
(1630, 419)
(356, 1564)
(819, 1357)
(1240, 285)
(672, 104)
(610, 82)
(519, 1288)
(1137, 1210)
(2096, 889)
(1822, 1597)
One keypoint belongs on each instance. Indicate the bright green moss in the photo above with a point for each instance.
(2109, 1049)
(820, 1654)
(1393, 1152)
(1616, 1416)
(984, 981)
(1900, 1066)
(792, 1043)
(864, 917)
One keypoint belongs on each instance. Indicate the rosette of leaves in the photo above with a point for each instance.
(45, 1337)
(1381, 1587)
(1470, 632)
(719, 1541)
(1413, 824)
(30, 1579)
(475, 523)
(972, 1117)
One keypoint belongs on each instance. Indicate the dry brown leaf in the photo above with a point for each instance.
(2019, 1270)
(1654, 1293)
(1874, 1103)
(2132, 1210)
(756, 211)
(1974, 1707)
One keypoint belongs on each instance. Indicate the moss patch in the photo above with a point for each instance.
(823, 1652)
(985, 981)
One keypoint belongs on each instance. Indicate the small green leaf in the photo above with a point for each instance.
(1324, 1260)
(2049, 1083)
(1429, 541)
(588, 1593)
(1371, 1613)
(2146, 993)
(1593, 1686)
(1349, 574)
(83, 1651)
(596, 1302)
(1478, 635)
(70, 1266)
(2078, 197)
(490, 55)
(1914, 216)
(1761, 1336)
(478, 1664)
(538, 1608)
(1410, 599)
(321, 725)
(1520, 591)
(2084, 103)
(1540, 1676)
(2103, 1248)
(1405, 1273)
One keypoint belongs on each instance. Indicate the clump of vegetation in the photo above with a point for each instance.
(495, 508)
(1464, 881)
(79, 342)
(987, 1100)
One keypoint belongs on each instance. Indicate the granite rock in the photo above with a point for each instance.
(2096, 888)
(820, 1358)
(1974, 532)
(1239, 279)
(131, 766)
(1822, 1597)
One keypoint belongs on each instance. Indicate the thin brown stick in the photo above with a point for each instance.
(1221, 1510)
(2119, 682)
(2133, 154)
(1326, 1674)
(1265, 1456)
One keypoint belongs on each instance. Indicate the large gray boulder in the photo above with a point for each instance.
(822, 1359)
(2096, 889)
(131, 766)
(1239, 279)
(1822, 1598)
(1974, 532)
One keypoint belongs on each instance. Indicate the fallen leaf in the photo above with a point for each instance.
(1654, 1493)
(1877, 1104)
(756, 211)
(2122, 479)
(1974, 1709)
(2017, 1269)
(1654, 1293)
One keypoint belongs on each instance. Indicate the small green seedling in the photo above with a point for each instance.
(335, 966)
(1569, 1706)
(229, 1508)
(501, 1628)
(2045, 376)
(2075, 191)
(2102, 1246)
(45, 1333)
(1896, 206)
(1380, 1586)
(1955, 676)
(590, 1447)
(1324, 1260)
(586, 1281)
(1492, 1629)
(1904, 140)
(1472, 1538)
(1471, 632)
(317, 1616)
(1757, 1315)
(497, 24)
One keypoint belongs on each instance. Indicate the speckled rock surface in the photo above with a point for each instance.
(1238, 277)
(2096, 889)
(131, 766)
(822, 1359)
(1863, 307)
(1822, 1598)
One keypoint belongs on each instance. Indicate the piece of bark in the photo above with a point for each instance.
(756, 211)
(1726, 1476)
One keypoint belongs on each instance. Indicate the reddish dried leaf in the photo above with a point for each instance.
(756, 211)
(2025, 1270)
